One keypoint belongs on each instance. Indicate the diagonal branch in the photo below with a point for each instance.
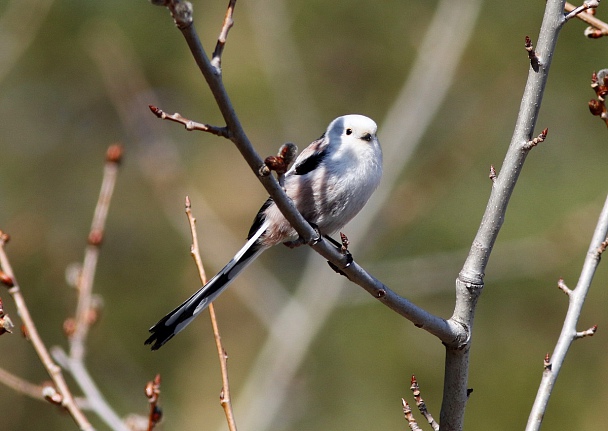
(216, 58)
(65, 397)
(576, 299)
(448, 332)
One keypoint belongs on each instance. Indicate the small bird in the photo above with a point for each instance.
(329, 182)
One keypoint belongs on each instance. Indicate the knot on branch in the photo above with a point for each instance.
(181, 11)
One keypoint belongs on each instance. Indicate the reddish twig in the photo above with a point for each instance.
(225, 400)
(562, 286)
(587, 333)
(153, 393)
(216, 58)
(66, 398)
(597, 28)
(85, 304)
(407, 412)
(534, 142)
(422, 405)
(189, 124)
(573, 11)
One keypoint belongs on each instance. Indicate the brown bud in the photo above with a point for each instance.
(156, 111)
(6, 325)
(69, 326)
(149, 390)
(95, 237)
(114, 153)
(25, 333)
(596, 107)
(6, 280)
(276, 163)
(50, 394)
(4, 237)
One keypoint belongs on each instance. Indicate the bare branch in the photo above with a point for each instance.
(225, 400)
(591, 4)
(411, 420)
(470, 282)
(77, 329)
(67, 400)
(20, 385)
(89, 266)
(189, 124)
(422, 405)
(597, 29)
(587, 333)
(569, 332)
(153, 394)
(562, 286)
(534, 142)
(216, 58)
(448, 332)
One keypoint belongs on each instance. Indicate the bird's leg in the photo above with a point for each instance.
(343, 247)
(301, 241)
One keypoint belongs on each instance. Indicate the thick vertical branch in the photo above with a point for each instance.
(470, 281)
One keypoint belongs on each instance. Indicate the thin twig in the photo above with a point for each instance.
(74, 361)
(411, 420)
(598, 28)
(54, 371)
(225, 400)
(576, 11)
(216, 58)
(85, 281)
(153, 394)
(422, 405)
(189, 124)
(20, 385)
(534, 142)
(576, 299)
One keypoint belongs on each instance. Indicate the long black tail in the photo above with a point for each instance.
(178, 319)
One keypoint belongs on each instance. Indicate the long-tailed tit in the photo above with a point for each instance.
(329, 183)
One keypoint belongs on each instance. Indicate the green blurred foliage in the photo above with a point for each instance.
(58, 115)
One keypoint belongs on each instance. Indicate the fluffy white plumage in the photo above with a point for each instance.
(329, 183)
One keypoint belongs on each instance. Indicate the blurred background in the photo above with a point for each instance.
(306, 352)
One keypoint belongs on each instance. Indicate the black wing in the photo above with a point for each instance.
(311, 157)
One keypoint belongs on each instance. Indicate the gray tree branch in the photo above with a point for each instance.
(576, 299)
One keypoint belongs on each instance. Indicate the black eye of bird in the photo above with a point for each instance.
(349, 131)
(367, 137)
